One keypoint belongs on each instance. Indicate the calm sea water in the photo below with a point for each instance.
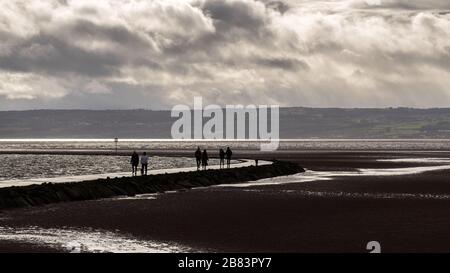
(145, 144)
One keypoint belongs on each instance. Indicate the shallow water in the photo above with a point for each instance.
(311, 176)
(87, 240)
(430, 160)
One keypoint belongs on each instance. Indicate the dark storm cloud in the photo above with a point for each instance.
(57, 51)
(48, 54)
(283, 63)
(239, 14)
(279, 6)
(118, 34)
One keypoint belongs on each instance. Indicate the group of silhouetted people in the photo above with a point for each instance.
(135, 163)
(202, 158)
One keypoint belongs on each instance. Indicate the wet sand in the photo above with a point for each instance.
(296, 217)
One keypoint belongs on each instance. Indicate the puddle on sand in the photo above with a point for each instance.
(150, 196)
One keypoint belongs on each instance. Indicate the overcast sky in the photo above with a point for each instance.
(155, 54)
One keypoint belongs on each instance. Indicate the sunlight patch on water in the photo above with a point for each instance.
(25, 169)
(76, 241)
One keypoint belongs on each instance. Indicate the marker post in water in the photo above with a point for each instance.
(116, 141)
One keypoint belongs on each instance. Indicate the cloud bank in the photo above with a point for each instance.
(155, 54)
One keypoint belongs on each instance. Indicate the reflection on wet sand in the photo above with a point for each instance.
(76, 241)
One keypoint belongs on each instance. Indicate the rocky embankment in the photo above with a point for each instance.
(47, 193)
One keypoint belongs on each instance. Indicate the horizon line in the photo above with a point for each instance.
(281, 107)
(212, 140)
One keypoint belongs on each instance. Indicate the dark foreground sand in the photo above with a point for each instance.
(277, 218)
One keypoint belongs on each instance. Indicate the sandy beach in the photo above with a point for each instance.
(405, 213)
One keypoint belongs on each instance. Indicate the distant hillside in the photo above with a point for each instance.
(294, 123)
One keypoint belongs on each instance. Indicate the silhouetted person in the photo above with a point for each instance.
(198, 158)
(134, 162)
(228, 155)
(222, 158)
(256, 162)
(204, 159)
(144, 163)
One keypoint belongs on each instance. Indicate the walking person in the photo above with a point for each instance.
(205, 160)
(198, 158)
(134, 163)
(228, 155)
(222, 158)
(144, 164)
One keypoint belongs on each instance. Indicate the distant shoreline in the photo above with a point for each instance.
(295, 123)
